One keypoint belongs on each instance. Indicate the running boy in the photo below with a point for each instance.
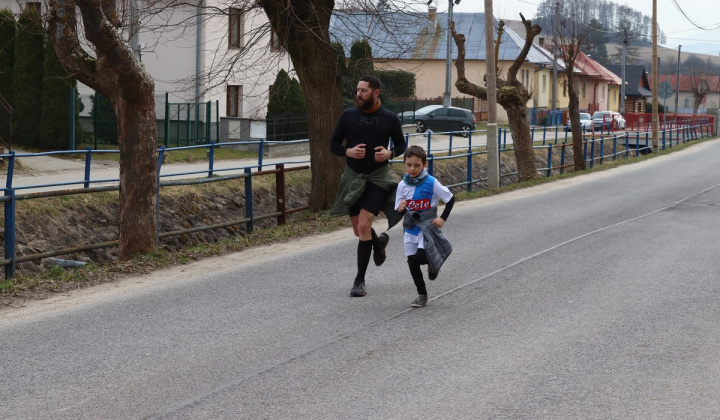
(418, 195)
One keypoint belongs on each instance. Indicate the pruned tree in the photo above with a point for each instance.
(303, 26)
(511, 95)
(113, 70)
(571, 37)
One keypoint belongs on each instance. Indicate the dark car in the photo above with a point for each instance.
(408, 117)
(445, 118)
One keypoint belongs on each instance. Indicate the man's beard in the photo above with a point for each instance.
(367, 104)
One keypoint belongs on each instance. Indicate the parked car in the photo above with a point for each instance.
(585, 122)
(445, 118)
(408, 117)
(603, 120)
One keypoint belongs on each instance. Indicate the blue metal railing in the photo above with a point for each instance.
(12, 194)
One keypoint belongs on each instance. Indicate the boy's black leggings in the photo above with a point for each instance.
(414, 262)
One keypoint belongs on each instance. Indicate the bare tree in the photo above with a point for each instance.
(113, 70)
(699, 71)
(571, 36)
(511, 95)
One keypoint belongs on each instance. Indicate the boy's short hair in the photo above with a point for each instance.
(371, 80)
(416, 151)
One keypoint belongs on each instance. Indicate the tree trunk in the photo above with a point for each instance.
(511, 95)
(324, 106)
(574, 111)
(116, 74)
(303, 25)
(137, 134)
(522, 142)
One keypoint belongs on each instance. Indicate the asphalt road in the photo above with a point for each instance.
(595, 297)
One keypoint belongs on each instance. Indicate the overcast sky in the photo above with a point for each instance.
(678, 29)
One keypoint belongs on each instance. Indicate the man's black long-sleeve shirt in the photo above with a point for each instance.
(374, 130)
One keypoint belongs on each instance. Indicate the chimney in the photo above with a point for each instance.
(432, 13)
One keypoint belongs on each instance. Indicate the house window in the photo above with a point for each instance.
(275, 43)
(234, 100)
(544, 84)
(602, 93)
(564, 88)
(235, 25)
(583, 90)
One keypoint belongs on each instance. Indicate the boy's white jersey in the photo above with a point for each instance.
(420, 198)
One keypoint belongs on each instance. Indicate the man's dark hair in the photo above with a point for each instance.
(373, 81)
(416, 151)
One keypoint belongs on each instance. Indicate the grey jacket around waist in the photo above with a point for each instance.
(437, 247)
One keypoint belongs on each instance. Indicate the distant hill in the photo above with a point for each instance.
(668, 57)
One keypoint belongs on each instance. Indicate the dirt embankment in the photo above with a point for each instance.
(58, 225)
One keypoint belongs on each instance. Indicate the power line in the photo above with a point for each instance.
(704, 28)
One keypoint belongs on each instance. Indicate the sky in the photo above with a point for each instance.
(678, 30)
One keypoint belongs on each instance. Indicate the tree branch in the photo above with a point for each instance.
(462, 83)
(62, 28)
(531, 31)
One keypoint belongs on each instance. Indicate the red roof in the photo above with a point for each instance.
(596, 70)
(687, 82)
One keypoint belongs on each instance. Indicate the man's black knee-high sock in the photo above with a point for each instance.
(417, 275)
(364, 251)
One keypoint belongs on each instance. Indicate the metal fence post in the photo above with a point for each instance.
(9, 215)
(248, 200)
(627, 145)
(602, 150)
(167, 120)
(88, 159)
(469, 170)
(72, 118)
(592, 154)
(280, 193)
(562, 158)
(431, 162)
(161, 157)
(261, 151)
(211, 159)
(208, 120)
(614, 146)
(663, 139)
(549, 159)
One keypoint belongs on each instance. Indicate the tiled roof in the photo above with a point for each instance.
(688, 81)
(416, 36)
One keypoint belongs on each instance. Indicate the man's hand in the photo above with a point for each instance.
(357, 152)
(382, 154)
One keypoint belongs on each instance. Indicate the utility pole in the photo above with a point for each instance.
(655, 81)
(555, 66)
(493, 157)
(677, 84)
(622, 74)
(448, 57)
